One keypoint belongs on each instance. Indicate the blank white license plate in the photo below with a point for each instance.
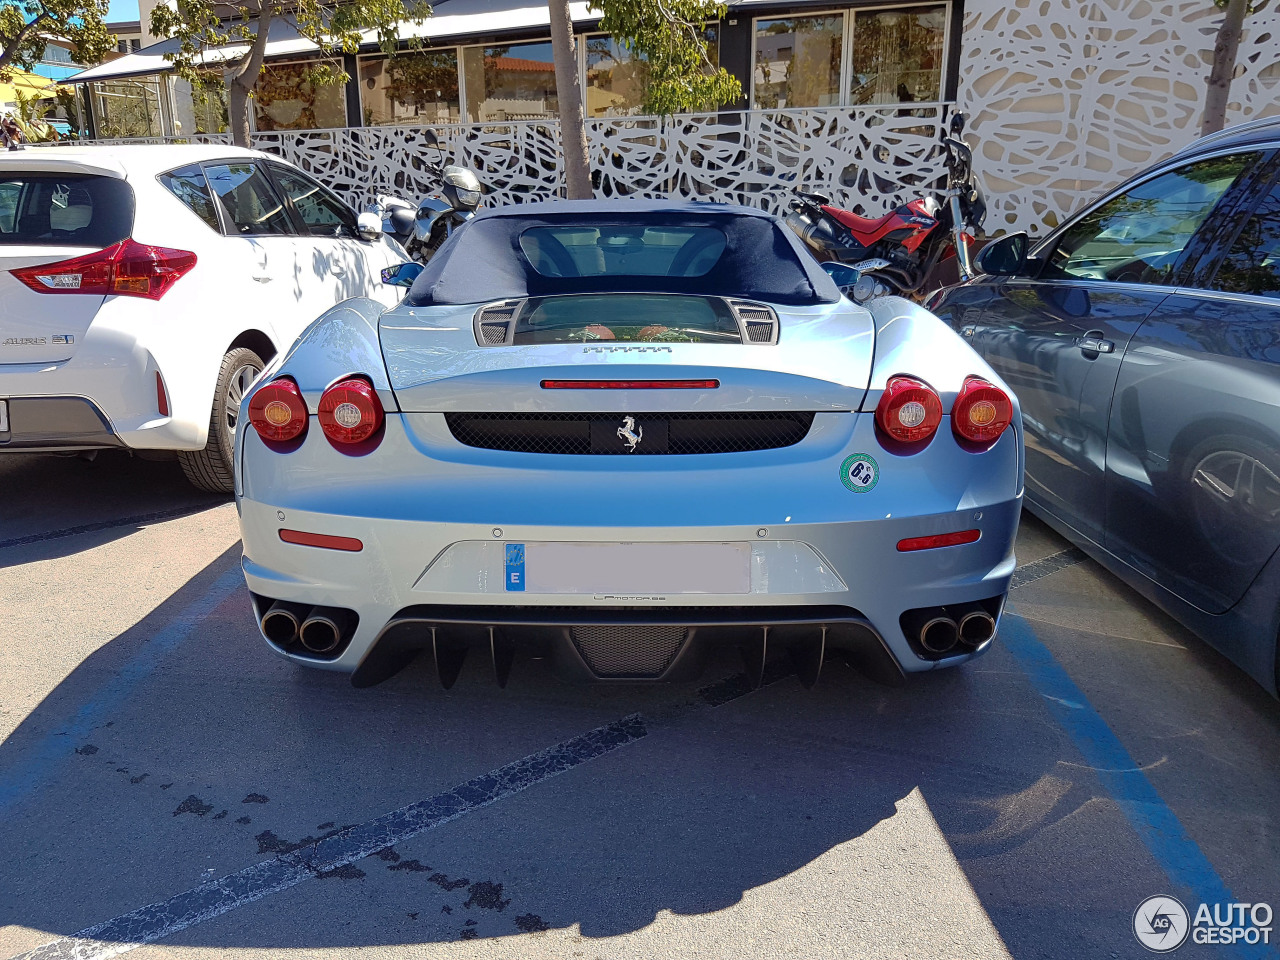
(4, 416)
(637, 569)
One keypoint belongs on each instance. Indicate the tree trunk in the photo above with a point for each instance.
(573, 128)
(1224, 65)
(241, 78)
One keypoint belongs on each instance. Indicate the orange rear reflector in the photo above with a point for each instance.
(939, 540)
(350, 544)
(630, 384)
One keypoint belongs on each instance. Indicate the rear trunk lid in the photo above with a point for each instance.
(438, 361)
(47, 217)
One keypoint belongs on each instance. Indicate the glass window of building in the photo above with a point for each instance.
(127, 108)
(202, 110)
(514, 81)
(798, 62)
(897, 55)
(616, 78)
(286, 98)
(410, 88)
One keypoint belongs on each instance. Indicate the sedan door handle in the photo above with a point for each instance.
(337, 267)
(1092, 342)
(263, 279)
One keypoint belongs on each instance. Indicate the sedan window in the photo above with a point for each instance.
(1253, 265)
(1139, 236)
(251, 203)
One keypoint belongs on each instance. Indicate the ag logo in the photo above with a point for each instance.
(859, 472)
(1161, 924)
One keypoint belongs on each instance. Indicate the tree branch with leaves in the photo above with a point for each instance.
(335, 26)
(27, 26)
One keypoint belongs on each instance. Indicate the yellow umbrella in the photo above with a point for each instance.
(28, 84)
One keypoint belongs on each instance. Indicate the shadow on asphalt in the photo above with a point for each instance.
(224, 755)
(57, 506)
(221, 755)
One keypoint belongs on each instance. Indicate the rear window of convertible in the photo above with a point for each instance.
(64, 210)
(622, 250)
(626, 318)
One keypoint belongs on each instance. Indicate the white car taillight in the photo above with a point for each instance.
(127, 268)
(909, 410)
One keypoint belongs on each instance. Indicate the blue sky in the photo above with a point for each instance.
(123, 10)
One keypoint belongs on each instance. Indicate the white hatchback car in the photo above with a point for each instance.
(143, 288)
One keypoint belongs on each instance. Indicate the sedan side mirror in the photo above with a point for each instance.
(402, 274)
(369, 226)
(1006, 257)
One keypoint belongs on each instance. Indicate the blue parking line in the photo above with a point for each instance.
(32, 769)
(1186, 866)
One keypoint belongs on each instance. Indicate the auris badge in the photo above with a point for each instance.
(859, 472)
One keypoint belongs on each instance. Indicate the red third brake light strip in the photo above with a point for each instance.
(630, 384)
(939, 540)
(350, 544)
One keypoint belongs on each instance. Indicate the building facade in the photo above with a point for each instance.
(1065, 98)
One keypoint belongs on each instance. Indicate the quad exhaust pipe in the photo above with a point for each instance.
(281, 622)
(324, 629)
(939, 634)
(939, 630)
(318, 629)
(976, 627)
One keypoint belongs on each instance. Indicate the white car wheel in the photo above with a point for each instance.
(210, 469)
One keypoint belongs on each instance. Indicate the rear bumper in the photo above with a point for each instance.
(852, 601)
(53, 424)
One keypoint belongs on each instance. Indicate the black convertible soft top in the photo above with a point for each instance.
(485, 260)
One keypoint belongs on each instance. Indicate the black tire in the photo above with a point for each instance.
(211, 468)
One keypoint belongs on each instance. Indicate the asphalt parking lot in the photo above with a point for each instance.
(163, 776)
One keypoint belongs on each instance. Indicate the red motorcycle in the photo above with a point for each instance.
(896, 253)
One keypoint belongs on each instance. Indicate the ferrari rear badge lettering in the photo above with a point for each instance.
(630, 434)
(859, 472)
(514, 575)
(627, 349)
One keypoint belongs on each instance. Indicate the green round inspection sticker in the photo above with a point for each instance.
(859, 472)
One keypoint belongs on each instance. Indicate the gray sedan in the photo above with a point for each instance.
(1143, 341)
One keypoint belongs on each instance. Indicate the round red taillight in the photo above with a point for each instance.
(981, 411)
(277, 411)
(909, 410)
(350, 411)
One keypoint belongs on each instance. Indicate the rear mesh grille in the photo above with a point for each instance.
(606, 433)
(628, 651)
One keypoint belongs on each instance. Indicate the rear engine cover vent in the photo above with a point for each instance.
(759, 322)
(622, 651)
(494, 322)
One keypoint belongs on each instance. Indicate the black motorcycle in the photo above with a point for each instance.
(423, 228)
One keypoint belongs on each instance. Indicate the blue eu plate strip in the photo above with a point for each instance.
(514, 577)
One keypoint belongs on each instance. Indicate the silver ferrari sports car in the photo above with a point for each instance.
(617, 435)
